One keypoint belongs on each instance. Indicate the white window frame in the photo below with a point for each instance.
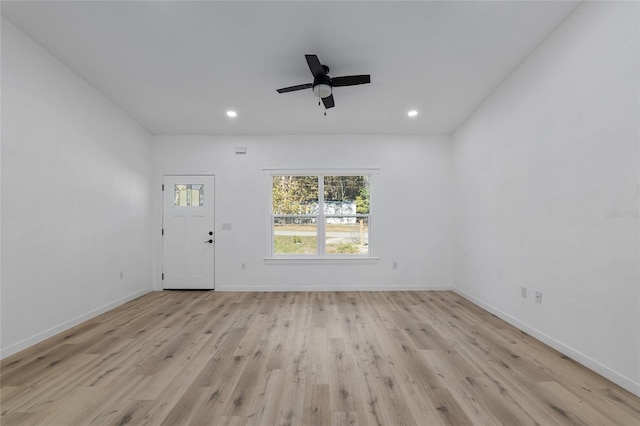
(319, 257)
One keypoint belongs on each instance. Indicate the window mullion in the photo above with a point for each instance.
(321, 221)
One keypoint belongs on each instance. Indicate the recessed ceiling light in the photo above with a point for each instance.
(232, 114)
(412, 113)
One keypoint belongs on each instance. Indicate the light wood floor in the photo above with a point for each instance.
(382, 358)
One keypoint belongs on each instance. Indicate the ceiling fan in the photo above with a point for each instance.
(323, 85)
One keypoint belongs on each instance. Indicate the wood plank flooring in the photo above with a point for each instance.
(348, 358)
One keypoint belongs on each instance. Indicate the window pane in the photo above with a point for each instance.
(347, 235)
(295, 194)
(346, 194)
(188, 195)
(295, 235)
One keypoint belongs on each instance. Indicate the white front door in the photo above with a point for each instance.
(188, 232)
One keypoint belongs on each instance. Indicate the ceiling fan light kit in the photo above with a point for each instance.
(323, 85)
(322, 90)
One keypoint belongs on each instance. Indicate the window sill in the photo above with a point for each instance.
(310, 260)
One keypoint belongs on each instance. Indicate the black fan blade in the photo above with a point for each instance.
(294, 88)
(328, 102)
(350, 80)
(315, 66)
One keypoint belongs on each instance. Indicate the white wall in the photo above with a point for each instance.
(75, 198)
(536, 169)
(414, 171)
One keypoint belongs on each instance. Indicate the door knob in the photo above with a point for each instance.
(209, 241)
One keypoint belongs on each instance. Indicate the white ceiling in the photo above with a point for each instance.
(177, 66)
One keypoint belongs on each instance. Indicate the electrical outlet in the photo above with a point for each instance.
(243, 266)
(523, 292)
(538, 297)
(121, 275)
(395, 265)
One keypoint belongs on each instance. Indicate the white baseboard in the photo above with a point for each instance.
(293, 288)
(23, 344)
(577, 356)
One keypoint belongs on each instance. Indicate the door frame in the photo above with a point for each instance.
(158, 286)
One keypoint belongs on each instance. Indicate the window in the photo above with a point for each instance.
(320, 215)
(188, 195)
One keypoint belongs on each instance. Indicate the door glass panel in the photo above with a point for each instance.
(188, 195)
